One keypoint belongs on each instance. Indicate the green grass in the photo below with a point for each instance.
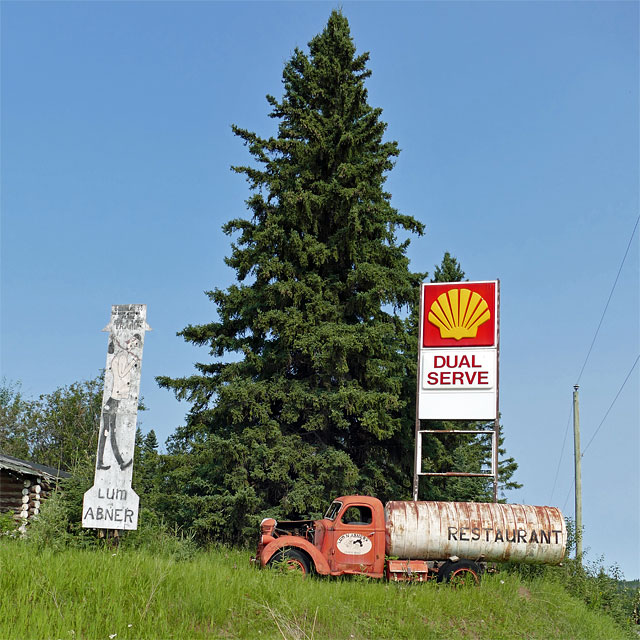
(78, 594)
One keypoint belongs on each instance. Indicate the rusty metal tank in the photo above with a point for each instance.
(476, 531)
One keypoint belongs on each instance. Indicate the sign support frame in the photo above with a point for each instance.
(495, 432)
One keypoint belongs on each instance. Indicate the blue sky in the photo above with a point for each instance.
(518, 124)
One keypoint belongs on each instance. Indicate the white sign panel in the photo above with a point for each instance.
(459, 369)
(458, 384)
(111, 503)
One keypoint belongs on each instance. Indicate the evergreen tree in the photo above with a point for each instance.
(315, 403)
(449, 270)
(460, 452)
(150, 443)
(146, 466)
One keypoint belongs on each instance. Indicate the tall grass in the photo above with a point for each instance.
(133, 593)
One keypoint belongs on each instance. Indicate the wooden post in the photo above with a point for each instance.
(578, 472)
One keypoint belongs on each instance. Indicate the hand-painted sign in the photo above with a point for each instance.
(111, 503)
(354, 544)
(459, 351)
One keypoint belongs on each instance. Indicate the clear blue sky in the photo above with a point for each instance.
(518, 124)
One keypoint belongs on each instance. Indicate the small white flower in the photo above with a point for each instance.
(501, 581)
(129, 625)
(112, 636)
(113, 555)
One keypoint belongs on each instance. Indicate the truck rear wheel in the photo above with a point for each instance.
(290, 560)
(460, 573)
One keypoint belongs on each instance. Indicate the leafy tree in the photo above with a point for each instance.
(59, 429)
(460, 452)
(315, 402)
(65, 424)
(14, 420)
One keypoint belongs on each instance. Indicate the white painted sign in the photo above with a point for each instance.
(354, 544)
(111, 503)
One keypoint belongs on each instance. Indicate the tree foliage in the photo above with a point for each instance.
(14, 420)
(449, 270)
(58, 429)
(315, 401)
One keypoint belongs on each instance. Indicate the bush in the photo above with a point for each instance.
(50, 528)
(56, 528)
(597, 586)
(8, 525)
(154, 535)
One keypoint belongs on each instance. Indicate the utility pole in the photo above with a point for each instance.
(578, 472)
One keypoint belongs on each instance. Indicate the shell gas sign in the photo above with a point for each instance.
(458, 368)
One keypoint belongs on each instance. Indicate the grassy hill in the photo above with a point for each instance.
(73, 594)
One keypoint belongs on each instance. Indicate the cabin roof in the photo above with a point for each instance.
(28, 468)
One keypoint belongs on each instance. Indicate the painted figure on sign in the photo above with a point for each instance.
(122, 364)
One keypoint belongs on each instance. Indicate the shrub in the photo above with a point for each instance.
(154, 535)
(50, 528)
(8, 525)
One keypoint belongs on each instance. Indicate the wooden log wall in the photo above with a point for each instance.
(22, 495)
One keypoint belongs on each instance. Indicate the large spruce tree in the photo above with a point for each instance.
(317, 398)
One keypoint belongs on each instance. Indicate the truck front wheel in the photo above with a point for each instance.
(460, 573)
(290, 560)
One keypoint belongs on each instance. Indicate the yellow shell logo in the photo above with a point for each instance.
(458, 313)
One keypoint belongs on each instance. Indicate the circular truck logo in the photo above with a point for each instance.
(354, 544)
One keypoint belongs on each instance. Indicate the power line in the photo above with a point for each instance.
(606, 306)
(633, 366)
(564, 442)
(584, 364)
(573, 483)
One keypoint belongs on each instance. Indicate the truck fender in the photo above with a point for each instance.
(296, 542)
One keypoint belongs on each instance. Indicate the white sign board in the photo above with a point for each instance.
(458, 367)
(458, 384)
(111, 503)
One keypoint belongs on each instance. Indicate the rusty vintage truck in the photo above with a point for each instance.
(413, 540)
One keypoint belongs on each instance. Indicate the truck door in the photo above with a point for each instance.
(357, 547)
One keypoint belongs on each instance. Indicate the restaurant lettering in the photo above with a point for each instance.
(488, 534)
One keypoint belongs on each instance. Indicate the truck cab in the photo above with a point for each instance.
(350, 539)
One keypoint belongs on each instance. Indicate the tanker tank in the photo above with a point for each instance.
(489, 532)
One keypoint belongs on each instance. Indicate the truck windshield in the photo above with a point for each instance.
(332, 511)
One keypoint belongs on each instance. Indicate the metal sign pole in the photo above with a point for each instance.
(417, 462)
(496, 425)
